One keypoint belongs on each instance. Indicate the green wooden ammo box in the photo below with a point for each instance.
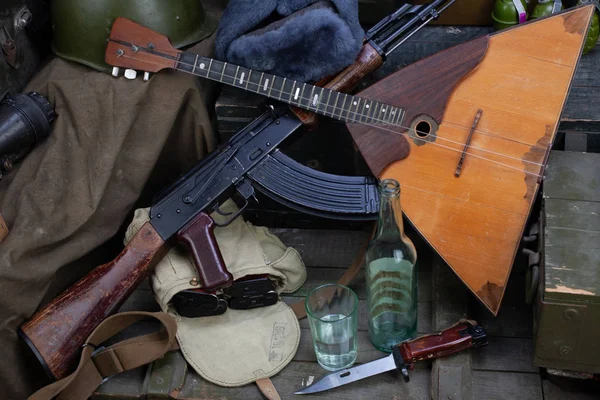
(567, 306)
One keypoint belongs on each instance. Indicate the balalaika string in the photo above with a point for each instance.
(357, 115)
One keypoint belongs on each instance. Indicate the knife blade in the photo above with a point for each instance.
(351, 374)
(460, 336)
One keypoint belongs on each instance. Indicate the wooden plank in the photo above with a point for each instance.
(506, 385)
(587, 73)
(165, 374)
(297, 375)
(450, 376)
(574, 390)
(512, 321)
(505, 354)
(582, 104)
(450, 35)
(126, 385)
(322, 247)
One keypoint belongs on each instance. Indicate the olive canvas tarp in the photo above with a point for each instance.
(115, 143)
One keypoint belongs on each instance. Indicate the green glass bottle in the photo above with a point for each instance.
(391, 274)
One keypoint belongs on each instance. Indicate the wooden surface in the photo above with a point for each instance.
(451, 377)
(475, 222)
(503, 369)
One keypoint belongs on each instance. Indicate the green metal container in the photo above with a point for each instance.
(567, 305)
(505, 13)
(81, 27)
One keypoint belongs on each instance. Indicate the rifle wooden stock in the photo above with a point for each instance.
(57, 332)
(367, 61)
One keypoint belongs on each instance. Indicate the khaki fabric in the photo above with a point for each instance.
(115, 143)
(239, 346)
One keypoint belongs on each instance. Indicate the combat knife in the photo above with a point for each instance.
(460, 336)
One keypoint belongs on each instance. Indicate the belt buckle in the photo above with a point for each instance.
(194, 303)
(252, 291)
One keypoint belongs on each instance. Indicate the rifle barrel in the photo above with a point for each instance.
(383, 24)
(420, 26)
(400, 26)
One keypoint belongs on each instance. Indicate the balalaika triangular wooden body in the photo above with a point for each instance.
(466, 131)
(475, 221)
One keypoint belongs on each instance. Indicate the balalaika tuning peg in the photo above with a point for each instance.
(146, 75)
(130, 73)
(115, 71)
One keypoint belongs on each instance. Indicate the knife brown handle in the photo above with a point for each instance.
(460, 336)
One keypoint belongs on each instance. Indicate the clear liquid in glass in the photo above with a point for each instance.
(335, 342)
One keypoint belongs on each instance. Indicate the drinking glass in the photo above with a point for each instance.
(332, 312)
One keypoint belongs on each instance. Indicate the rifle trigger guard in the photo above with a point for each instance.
(220, 212)
(245, 190)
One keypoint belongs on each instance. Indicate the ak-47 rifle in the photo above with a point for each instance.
(250, 160)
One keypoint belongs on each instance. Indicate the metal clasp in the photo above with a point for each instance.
(9, 48)
(9, 43)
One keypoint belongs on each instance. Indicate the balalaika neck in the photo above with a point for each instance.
(319, 100)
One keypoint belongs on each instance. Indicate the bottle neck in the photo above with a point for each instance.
(390, 222)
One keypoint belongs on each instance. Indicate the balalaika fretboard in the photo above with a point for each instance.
(320, 100)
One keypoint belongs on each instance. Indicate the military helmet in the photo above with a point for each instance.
(81, 27)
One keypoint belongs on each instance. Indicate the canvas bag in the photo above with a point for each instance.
(239, 346)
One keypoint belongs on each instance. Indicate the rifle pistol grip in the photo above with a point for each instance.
(198, 236)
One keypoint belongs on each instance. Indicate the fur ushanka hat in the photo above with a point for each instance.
(304, 40)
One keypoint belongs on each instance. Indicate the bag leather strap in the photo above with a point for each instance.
(267, 388)
(96, 364)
